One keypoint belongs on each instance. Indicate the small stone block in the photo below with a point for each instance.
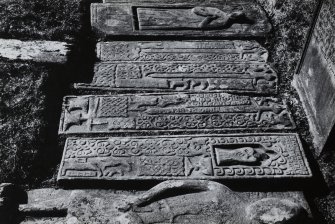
(184, 157)
(172, 112)
(39, 51)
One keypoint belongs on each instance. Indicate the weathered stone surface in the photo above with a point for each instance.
(168, 157)
(171, 76)
(275, 211)
(192, 201)
(183, 51)
(316, 79)
(231, 66)
(179, 18)
(39, 51)
(171, 112)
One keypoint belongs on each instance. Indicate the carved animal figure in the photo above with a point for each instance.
(104, 168)
(73, 118)
(215, 18)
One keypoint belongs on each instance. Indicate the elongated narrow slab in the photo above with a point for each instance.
(183, 51)
(179, 18)
(257, 78)
(180, 157)
(172, 112)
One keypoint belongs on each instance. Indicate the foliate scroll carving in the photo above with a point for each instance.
(166, 157)
(172, 112)
(191, 18)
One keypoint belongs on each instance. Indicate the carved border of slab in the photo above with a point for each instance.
(185, 157)
(161, 112)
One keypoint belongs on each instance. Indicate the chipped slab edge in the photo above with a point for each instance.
(39, 51)
(300, 149)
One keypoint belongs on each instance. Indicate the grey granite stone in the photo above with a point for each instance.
(184, 157)
(171, 112)
(179, 18)
(192, 201)
(316, 79)
(39, 51)
(230, 66)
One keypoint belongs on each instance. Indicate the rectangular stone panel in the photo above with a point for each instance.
(179, 157)
(315, 81)
(183, 51)
(257, 78)
(179, 18)
(172, 112)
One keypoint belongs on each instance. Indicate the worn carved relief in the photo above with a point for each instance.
(230, 66)
(183, 51)
(172, 112)
(180, 18)
(166, 157)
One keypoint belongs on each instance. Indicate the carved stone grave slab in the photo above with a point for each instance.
(183, 51)
(192, 201)
(230, 66)
(172, 112)
(179, 18)
(184, 157)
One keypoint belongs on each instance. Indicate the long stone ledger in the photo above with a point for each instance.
(172, 112)
(184, 157)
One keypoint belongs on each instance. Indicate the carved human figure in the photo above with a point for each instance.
(241, 156)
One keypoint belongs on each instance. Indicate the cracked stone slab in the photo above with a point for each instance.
(184, 157)
(39, 51)
(90, 114)
(179, 18)
(230, 66)
(193, 201)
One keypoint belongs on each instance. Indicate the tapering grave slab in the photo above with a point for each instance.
(230, 66)
(195, 18)
(184, 157)
(192, 201)
(172, 112)
(183, 51)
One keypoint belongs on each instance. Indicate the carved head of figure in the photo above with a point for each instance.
(241, 156)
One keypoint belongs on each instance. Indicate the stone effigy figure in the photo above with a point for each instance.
(242, 156)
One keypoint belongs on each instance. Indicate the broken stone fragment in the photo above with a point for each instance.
(38, 51)
(275, 211)
(183, 201)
